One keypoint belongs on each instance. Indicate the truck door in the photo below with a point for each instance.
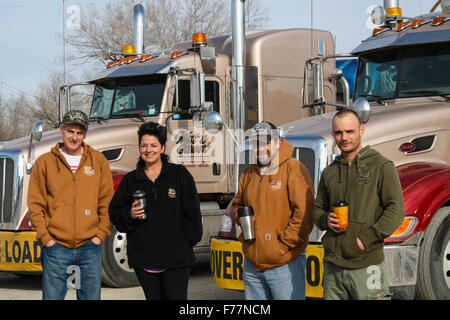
(189, 144)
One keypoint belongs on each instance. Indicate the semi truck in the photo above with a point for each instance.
(402, 94)
(175, 88)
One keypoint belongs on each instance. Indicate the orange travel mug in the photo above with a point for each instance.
(340, 208)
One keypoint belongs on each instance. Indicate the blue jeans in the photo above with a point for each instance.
(61, 266)
(280, 283)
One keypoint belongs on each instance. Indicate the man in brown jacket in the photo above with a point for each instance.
(281, 193)
(68, 197)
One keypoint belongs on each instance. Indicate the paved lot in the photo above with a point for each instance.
(201, 287)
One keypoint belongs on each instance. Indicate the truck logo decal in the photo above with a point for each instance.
(407, 147)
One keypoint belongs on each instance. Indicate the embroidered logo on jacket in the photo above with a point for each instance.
(171, 193)
(89, 171)
(275, 185)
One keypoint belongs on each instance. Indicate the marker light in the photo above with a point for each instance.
(130, 49)
(438, 21)
(112, 63)
(379, 30)
(145, 57)
(417, 23)
(402, 25)
(198, 38)
(176, 54)
(407, 225)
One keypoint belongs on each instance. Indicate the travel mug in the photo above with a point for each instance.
(246, 216)
(340, 208)
(141, 198)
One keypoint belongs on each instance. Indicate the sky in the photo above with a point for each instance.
(31, 31)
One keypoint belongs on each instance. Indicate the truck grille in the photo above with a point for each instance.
(307, 157)
(6, 189)
(11, 184)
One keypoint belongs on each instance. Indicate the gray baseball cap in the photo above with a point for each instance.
(76, 117)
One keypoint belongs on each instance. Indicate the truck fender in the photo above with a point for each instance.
(426, 188)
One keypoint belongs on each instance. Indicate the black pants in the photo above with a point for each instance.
(171, 284)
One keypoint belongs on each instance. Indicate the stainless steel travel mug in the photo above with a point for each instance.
(141, 198)
(246, 216)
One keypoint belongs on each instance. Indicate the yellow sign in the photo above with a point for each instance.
(227, 266)
(20, 251)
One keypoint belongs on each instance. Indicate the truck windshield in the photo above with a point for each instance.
(128, 98)
(406, 72)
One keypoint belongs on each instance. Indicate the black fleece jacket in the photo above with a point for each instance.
(174, 225)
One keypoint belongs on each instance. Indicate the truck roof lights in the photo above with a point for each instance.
(176, 54)
(379, 30)
(402, 26)
(439, 20)
(129, 49)
(145, 57)
(419, 22)
(198, 39)
(394, 11)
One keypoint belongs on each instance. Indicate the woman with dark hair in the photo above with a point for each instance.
(159, 246)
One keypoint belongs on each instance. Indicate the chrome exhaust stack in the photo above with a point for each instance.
(138, 28)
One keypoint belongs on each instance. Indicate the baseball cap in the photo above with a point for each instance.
(76, 117)
(264, 131)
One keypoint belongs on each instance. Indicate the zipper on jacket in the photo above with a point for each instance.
(74, 214)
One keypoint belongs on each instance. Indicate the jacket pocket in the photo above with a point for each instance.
(268, 247)
(329, 242)
(349, 245)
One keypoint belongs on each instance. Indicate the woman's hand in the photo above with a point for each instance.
(136, 212)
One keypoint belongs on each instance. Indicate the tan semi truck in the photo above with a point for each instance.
(403, 86)
(175, 88)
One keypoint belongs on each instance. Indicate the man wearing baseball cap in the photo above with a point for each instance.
(281, 193)
(69, 193)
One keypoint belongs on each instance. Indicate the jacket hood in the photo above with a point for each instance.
(55, 151)
(283, 154)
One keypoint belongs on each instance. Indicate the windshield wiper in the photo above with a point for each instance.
(97, 119)
(136, 115)
(378, 99)
(446, 96)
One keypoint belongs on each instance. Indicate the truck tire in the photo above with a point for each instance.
(115, 269)
(433, 274)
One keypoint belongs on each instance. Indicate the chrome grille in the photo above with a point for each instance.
(6, 189)
(11, 184)
(307, 157)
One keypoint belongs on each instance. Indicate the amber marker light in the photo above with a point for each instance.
(407, 225)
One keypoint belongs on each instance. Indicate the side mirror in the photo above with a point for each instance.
(213, 122)
(362, 107)
(197, 86)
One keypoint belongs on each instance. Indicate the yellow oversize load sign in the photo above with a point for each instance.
(227, 266)
(20, 251)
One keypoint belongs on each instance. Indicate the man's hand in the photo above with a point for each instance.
(50, 243)
(360, 244)
(333, 222)
(96, 240)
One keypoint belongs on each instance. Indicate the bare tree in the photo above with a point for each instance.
(167, 22)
